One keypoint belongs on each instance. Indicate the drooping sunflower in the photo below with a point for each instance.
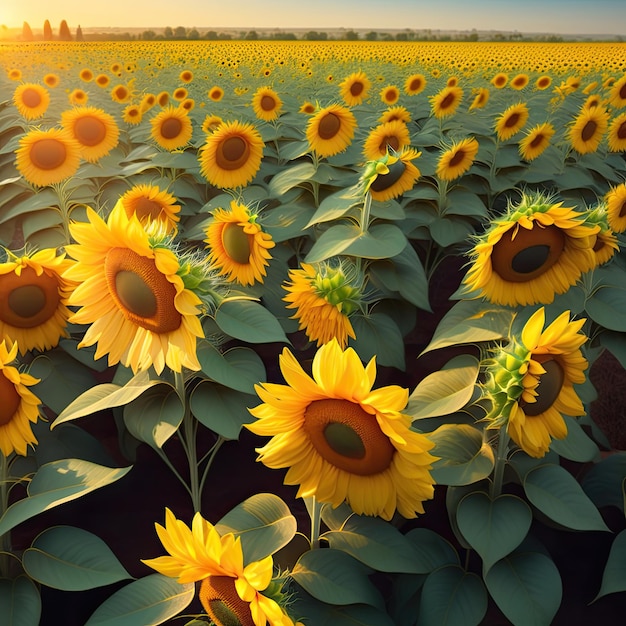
(480, 99)
(231, 155)
(395, 113)
(341, 440)
(230, 592)
(331, 130)
(171, 128)
(48, 156)
(19, 407)
(500, 80)
(324, 297)
(537, 249)
(536, 141)
(266, 104)
(445, 102)
(457, 159)
(511, 121)
(616, 208)
(388, 136)
(150, 203)
(531, 382)
(389, 95)
(519, 81)
(587, 130)
(139, 311)
(617, 94)
(238, 245)
(95, 130)
(31, 100)
(617, 134)
(354, 89)
(414, 84)
(397, 175)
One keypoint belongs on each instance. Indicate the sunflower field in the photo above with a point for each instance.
(299, 333)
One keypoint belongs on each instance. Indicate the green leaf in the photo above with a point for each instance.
(604, 482)
(56, 483)
(577, 445)
(72, 559)
(435, 551)
(287, 221)
(471, 321)
(155, 415)
(527, 588)
(460, 201)
(452, 597)
(335, 577)
(607, 307)
(250, 322)
(149, 600)
(614, 575)
(445, 391)
(464, 457)
(557, 494)
(106, 396)
(291, 177)
(238, 368)
(334, 206)
(447, 232)
(220, 409)
(264, 523)
(494, 528)
(378, 335)
(20, 602)
(380, 241)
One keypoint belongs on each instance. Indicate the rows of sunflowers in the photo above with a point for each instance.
(202, 240)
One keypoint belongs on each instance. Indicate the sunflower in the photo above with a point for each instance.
(480, 99)
(266, 104)
(616, 208)
(216, 93)
(330, 130)
(389, 94)
(19, 405)
(400, 175)
(150, 203)
(341, 440)
(617, 95)
(188, 104)
(95, 130)
(86, 75)
(78, 97)
(354, 89)
(186, 76)
(531, 382)
(238, 246)
(537, 249)
(132, 114)
(147, 102)
(324, 297)
(452, 81)
(139, 310)
(414, 84)
(120, 93)
(500, 80)
(511, 121)
(171, 128)
(446, 102)
(33, 299)
(180, 93)
(457, 159)
(163, 99)
(102, 80)
(536, 141)
(31, 100)
(592, 101)
(48, 156)
(392, 114)
(386, 136)
(51, 80)
(231, 155)
(211, 123)
(543, 82)
(230, 592)
(617, 134)
(14, 74)
(585, 133)
(308, 108)
(519, 81)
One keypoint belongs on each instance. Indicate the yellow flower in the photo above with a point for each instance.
(216, 93)
(446, 102)
(543, 82)
(397, 113)
(617, 134)
(78, 97)
(536, 141)
(388, 136)
(95, 131)
(519, 81)
(330, 130)
(617, 95)
(342, 440)
(511, 121)
(51, 80)
(266, 104)
(132, 114)
(354, 89)
(499, 80)
(389, 94)
(480, 99)
(616, 208)
(120, 93)
(585, 134)
(171, 128)
(150, 203)
(414, 84)
(211, 123)
(400, 175)
(457, 159)
(31, 100)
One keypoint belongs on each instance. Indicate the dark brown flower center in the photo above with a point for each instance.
(232, 153)
(222, 603)
(236, 242)
(89, 130)
(357, 88)
(548, 389)
(171, 128)
(622, 92)
(268, 103)
(588, 130)
(385, 181)
(448, 101)
(329, 126)
(10, 400)
(31, 98)
(621, 131)
(416, 83)
(457, 158)
(48, 153)
(537, 140)
(145, 208)
(512, 120)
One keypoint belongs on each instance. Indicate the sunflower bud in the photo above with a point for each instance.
(340, 286)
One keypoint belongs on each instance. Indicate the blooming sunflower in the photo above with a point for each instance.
(216, 93)
(617, 95)
(500, 80)
(308, 108)
(171, 128)
(163, 99)
(389, 94)
(86, 75)
(120, 93)
(186, 76)
(330, 130)
(536, 141)
(238, 246)
(19, 405)
(150, 203)
(341, 440)
(147, 102)
(354, 89)
(78, 97)
(531, 382)
(414, 84)
(392, 175)
(519, 81)
(230, 592)
(616, 208)
(31, 100)
(445, 102)
(95, 131)
(543, 82)
(51, 80)
(585, 133)
(457, 159)
(139, 310)
(324, 297)
(266, 104)
(480, 99)
(33, 299)
(231, 155)
(386, 136)
(132, 114)
(180, 93)
(511, 121)
(211, 123)
(48, 156)
(396, 113)
(102, 80)
(537, 249)
(617, 134)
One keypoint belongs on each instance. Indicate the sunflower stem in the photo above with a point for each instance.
(314, 508)
(502, 447)
(210, 457)
(64, 209)
(5, 539)
(365, 216)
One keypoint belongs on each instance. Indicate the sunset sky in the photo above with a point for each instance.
(556, 16)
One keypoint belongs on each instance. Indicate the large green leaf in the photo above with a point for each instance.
(20, 602)
(577, 445)
(56, 483)
(494, 528)
(291, 177)
(264, 523)
(149, 600)
(72, 559)
(604, 482)
(607, 307)
(378, 335)
(434, 550)
(557, 494)
(334, 206)
(527, 588)
(614, 575)
(237, 368)
(249, 321)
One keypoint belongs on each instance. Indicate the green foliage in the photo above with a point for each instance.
(20, 602)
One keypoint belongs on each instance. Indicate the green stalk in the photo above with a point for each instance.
(365, 216)
(315, 513)
(5, 539)
(502, 448)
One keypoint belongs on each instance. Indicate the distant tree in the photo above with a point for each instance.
(210, 34)
(351, 35)
(168, 33)
(193, 34)
(180, 32)
(27, 33)
(47, 31)
(402, 37)
(280, 36)
(387, 37)
(312, 35)
(64, 32)
(224, 36)
(371, 36)
(252, 35)
(148, 35)
(79, 34)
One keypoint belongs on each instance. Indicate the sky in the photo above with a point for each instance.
(532, 16)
